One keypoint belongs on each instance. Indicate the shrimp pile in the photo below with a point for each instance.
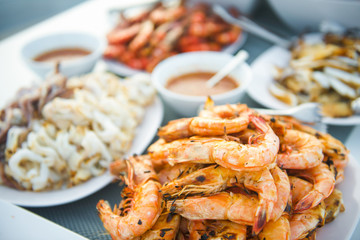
(326, 72)
(74, 135)
(141, 41)
(270, 177)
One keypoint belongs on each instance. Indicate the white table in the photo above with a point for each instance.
(91, 17)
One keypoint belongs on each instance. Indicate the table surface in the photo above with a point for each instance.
(91, 16)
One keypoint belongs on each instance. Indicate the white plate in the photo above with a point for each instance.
(344, 225)
(263, 72)
(144, 135)
(123, 70)
(18, 223)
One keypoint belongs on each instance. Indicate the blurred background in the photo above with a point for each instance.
(16, 15)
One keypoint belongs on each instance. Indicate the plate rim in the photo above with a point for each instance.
(57, 197)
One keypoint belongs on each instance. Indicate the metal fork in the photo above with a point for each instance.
(306, 112)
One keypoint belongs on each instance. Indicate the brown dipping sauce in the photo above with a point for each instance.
(62, 54)
(194, 84)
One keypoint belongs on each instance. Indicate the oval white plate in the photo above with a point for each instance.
(123, 70)
(263, 72)
(144, 134)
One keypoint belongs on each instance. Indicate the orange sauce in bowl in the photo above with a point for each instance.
(194, 84)
(61, 54)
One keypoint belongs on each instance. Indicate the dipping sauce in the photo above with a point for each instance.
(194, 84)
(62, 54)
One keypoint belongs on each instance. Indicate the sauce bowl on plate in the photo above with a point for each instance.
(76, 52)
(191, 64)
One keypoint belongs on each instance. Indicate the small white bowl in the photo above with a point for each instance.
(184, 63)
(68, 68)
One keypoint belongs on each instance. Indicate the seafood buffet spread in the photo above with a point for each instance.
(229, 173)
(143, 40)
(67, 131)
(327, 72)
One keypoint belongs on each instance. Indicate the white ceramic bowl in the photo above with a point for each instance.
(308, 14)
(187, 106)
(63, 40)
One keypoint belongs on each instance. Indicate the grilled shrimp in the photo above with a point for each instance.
(208, 229)
(118, 36)
(169, 173)
(282, 184)
(257, 155)
(165, 228)
(204, 126)
(143, 36)
(222, 111)
(236, 207)
(276, 230)
(215, 178)
(141, 211)
(299, 150)
(332, 147)
(299, 188)
(161, 15)
(324, 181)
(334, 205)
(196, 229)
(301, 224)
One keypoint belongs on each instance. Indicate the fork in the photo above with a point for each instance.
(306, 112)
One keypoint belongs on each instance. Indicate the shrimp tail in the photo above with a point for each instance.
(107, 216)
(260, 220)
(259, 123)
(312, 199)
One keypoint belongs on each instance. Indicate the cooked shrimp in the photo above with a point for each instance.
(196, 229)
(227, 230)
(276, 230)
(169, 173)
(117, 167)
(229, 36)
(331, 146)
(324, 182)
(142, 210)
(143, 36)
(215, 178)
(236, 207)
(222, 111)
(301, 224)
(339, 165)
(118, 36)
(205, 29)
(208, 229)
(334, 205)
(165, 228)
(257, 155)
(204, 126)
(282, 183)
(299, 150)
(161, 15)
(140, 170)
(299, 188)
